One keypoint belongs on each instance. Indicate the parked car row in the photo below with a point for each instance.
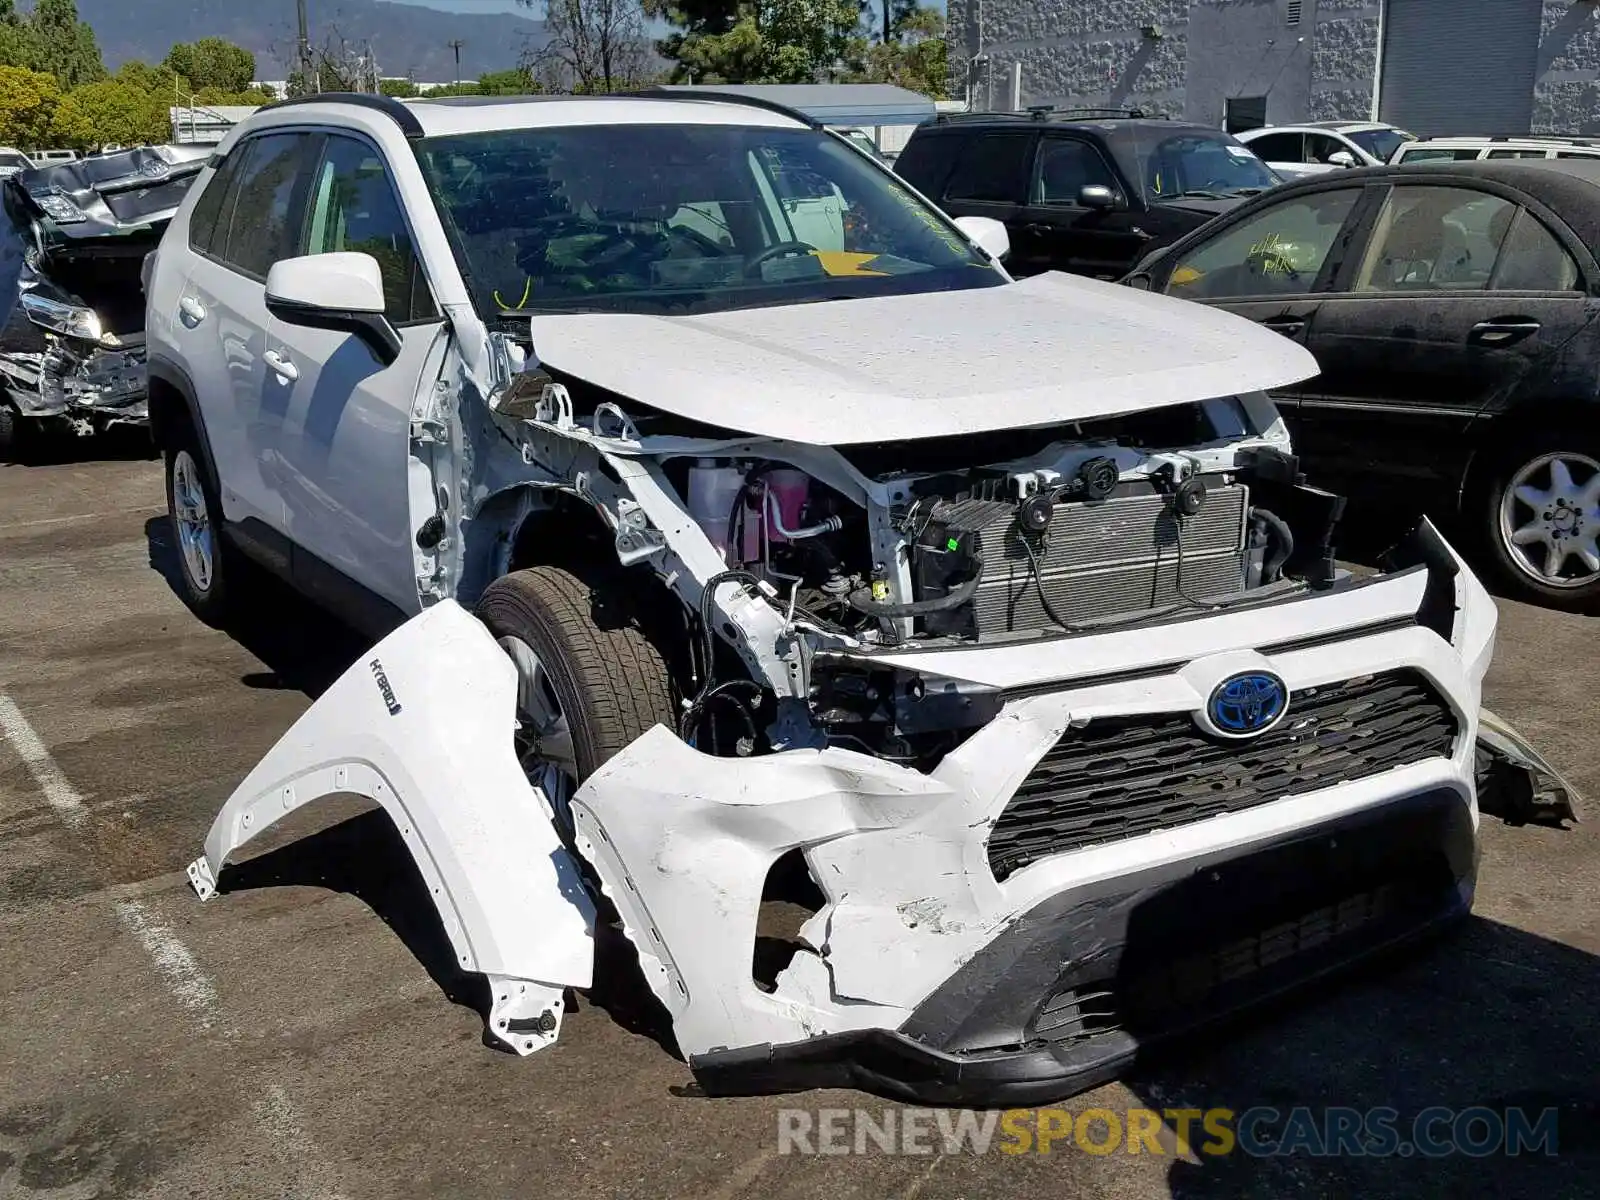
(1450, 305)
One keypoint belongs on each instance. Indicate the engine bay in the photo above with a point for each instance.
(864, 551)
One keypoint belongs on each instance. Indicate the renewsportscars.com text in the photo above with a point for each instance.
(1259, 1132)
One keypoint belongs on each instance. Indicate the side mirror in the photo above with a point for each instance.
(987, 234)
(342, 291)
(1139, 281)
(1342, 158)
(1097, 196)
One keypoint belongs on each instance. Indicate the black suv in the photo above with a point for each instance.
(1091, 191)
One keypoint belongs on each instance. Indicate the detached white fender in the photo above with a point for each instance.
(422, 724)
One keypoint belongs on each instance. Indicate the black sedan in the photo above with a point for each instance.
(1451, 307)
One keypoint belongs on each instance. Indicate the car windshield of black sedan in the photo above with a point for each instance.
(684, 218)
(1198, 163)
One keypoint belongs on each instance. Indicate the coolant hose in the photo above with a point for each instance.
(861, 600)
(1273, 565)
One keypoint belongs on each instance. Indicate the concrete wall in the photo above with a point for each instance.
(1566, 96)
(1097, 53)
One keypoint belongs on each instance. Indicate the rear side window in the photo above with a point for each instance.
(1435, 238)
(259, 218)
(1502, 153)
(206, 216)
(1533, 260)
(992, 168)
(353, 208)
(1437, 155)
(1279, 147)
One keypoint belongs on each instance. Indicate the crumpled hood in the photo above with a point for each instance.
(1051, 349)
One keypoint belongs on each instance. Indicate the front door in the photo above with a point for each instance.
(1058, 232)
(990, 179)
(1272, 267)
(354, 500)
(1460, 299)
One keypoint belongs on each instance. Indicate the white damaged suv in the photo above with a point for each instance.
(727, 515)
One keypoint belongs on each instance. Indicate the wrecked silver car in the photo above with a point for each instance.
(78, 234)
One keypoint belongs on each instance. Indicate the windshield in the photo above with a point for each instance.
(1381, 143)
(684, 218)
(1199, 163)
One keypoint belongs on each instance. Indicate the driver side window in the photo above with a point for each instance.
(1279, 251)
(1064, 167)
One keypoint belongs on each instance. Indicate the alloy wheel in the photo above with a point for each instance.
(1550, 520)
(544, 737)
(195, 537)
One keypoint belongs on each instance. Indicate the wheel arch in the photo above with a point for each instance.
(173, 406)
(1491, 440)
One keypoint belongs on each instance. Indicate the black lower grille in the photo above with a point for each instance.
(1124, 776)
(1156, 991)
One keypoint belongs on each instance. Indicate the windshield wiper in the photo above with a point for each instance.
(1246, 191)
(1202, 193)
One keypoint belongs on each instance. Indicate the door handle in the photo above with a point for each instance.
(281, 365)
(1502, 331)
(193, 311)
(1288, 326)
(1039, 229)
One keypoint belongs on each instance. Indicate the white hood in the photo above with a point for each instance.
(1047, 350)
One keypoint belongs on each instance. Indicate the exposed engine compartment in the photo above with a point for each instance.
(874, 550)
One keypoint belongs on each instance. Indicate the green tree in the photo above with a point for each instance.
(515, 82)
(467, 87)
(913, 58)
(109, 111)
(401, 89)
(14, 48)
(61, 45)
(761, 41)
(213, 63)
(28, 102)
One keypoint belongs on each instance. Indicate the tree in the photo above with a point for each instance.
(592, 45)
(761, 41)
(108, 112)
(914, 59)
(213, 63)
(14, 48)
(518, 81)
(28, 101)
(400, 89)
(61, 45)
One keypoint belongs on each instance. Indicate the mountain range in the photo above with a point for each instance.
(406, 39)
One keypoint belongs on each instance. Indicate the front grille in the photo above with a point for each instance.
(1109, 557)
(1120, 777)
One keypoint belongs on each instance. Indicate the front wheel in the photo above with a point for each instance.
(1541, 514)
(11, 433)
(589, 677)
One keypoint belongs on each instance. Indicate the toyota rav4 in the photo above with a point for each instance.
(733, 525)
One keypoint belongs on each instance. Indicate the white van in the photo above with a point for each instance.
(1463, 149)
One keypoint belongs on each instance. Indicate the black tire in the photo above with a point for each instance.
(12, 433)
(210, 599)
(1499, 476)
(611, 680)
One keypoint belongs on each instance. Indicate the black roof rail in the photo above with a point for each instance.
(1576, 139)
(387, 105)
(1045, 112)
(662, 92)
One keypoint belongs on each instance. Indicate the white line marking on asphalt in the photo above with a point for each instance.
(59, 793)
(99, 516)
(280, 1121)
(183, 975)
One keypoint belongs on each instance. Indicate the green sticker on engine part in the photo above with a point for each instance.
(953, 544)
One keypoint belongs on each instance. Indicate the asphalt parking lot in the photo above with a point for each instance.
(301, 1035)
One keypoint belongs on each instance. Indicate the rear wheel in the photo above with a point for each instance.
(11, 433)
(589, 678)
(204, 561)
(1541, 513)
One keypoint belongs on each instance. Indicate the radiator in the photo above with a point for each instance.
(1110, 557)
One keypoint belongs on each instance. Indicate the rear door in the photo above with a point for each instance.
(1057, 231)
(1272, 266)
(1459, 299)
(349, 483)
(244, 222)
(990, 179)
